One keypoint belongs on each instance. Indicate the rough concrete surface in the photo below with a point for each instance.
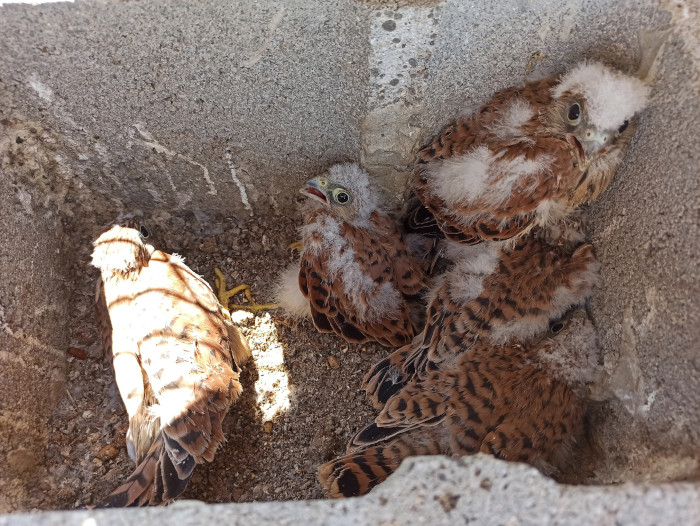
(647, 231)
(192, 103)
(33, 341)
(432, 490)
(226, 106)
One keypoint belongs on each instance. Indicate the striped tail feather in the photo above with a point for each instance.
(417, 219)
(157, 480)
(386, 377)
(187, 440)
(357, 473)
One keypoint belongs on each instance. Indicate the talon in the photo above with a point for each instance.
(226, 295)
(296, 245)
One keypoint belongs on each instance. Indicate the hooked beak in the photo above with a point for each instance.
(590, 142)
(312, 188)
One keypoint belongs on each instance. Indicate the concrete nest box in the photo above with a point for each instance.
(204, 118)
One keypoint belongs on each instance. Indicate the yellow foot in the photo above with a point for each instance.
(226, 295)
(297, 245)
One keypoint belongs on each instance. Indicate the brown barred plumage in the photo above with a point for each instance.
(504, 400)
(521, 160)
(176, 358)
(493, 371)
(355, 270)
(531, 280)
(357, 473)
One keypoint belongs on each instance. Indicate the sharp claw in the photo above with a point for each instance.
(226, 295)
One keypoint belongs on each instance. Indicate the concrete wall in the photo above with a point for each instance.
(217, 105)
(647, 230)
(162, 101)
(33, 306)
(430, 490)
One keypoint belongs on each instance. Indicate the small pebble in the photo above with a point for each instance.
(267, 427)
(209, 245)
(77, 353)
(66, 494)
(333, 362)
(108, 452)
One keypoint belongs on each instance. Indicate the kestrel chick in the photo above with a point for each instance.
(355, 272)
(176, 358)
(496, 292)
(485, 374)
(522, 402)
(529, 156)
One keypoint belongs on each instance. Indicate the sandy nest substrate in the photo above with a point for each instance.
(301, 400)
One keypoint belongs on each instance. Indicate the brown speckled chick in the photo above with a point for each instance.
(355, 274)
(500, 367)
(176, 358)
(529, 156)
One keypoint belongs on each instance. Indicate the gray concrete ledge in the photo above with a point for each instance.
(430, 490)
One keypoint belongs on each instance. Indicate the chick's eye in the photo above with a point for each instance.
(556, 327)
(342, 197)
(623, 127)
(574, 113)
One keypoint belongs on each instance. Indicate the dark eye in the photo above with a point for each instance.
(623, 127)
(342, 197)
(574, 112)
(144, 232)
(556, 327)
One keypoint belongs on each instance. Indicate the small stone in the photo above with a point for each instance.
(267, 427)
(108, 452)
(333, 362)
(66, 494)
(209, 245)
(77, 353)
(87, 414)
(237, 494)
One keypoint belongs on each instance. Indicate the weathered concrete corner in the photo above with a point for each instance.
(431, 490)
